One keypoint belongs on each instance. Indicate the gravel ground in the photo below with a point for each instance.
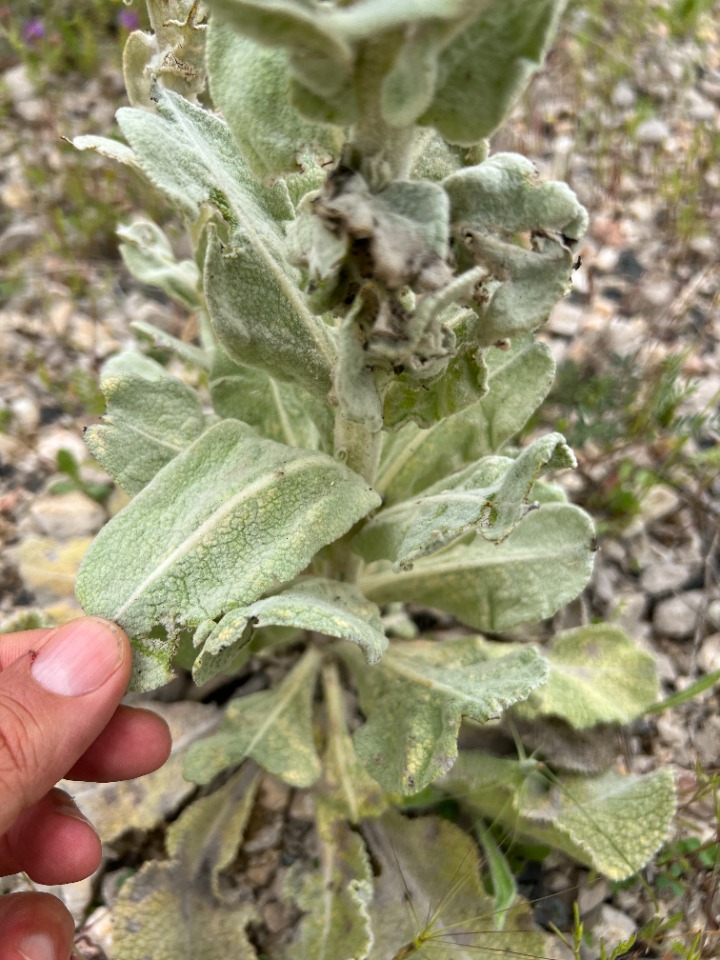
(648, 290)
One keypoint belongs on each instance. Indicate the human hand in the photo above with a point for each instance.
(59, 717)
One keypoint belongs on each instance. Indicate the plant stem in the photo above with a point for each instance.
(384, 151)
(358, 446)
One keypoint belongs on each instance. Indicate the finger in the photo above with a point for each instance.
(52, 842)
(134, 742)
(36, 926)
(16, 645)
(53, 703)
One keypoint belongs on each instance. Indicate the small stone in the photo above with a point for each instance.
(59, 316)
(664, 577)
(26, 411)
(627, 610)
(623, 96)
(613, 927)
(261, 869)
(659, 502)
(19, 237)
(698, 107)
(55, 439)
(67, 516)
(591, 896)
(606, 259)
(274, 794)
(704, 246)
(652, 132)
(565, 319)
(676, 617)
(302, 806)
(275, 916)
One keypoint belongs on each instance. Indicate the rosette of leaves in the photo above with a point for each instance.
(368, 288)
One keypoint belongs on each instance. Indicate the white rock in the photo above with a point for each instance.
(67, 516)
(627, 610)
(19, 236)
(606, 259)
(652, 132)
(26, 411)
(699, 108)
(613, 927)
(659, 502)
(664, 577)
(565, 319)
(709, 654)
(55, 439)
(623, 96)
(18, 84)
(676, 617)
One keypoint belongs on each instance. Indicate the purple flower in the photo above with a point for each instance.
(128, 20)
(33, 30)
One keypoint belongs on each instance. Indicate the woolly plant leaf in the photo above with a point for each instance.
(347, 789)
(278, 410)
(322, 606)
(221, 524)
(461, 383)
(149, 257)
(415, 699)
(251, 85)
(175, 909)
(112, 149)
(274, 727)
(597, 675)
(518, 379)
(523, 285)
(146, 424)
(187, 352)
(611, 821)
(334, 898)
(429, 869)
(260, 316)
(132, 363)
(544, 563)
(225, 646)
(490, 497)
(486, 67)
(190, 155)
(505, 194)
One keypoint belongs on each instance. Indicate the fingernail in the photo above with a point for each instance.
(67, 808)
(78, 659)
(36, 946)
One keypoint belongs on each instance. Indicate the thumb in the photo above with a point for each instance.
(54, 701)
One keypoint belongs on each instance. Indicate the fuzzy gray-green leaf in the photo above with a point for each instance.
(251, 85)
(175, 909)
(191, 156)
(260, 316)
(274, 727)
(612, 821)
(597, 675)
(150, 259)
(518, 379)
(324, 606)
(147, 423)
(334, 897)
(490, 497)
(505, 194)
(543, 564)
(416, 697)
(429, 884)
(226, 520)
(486, 67)
(278, 410)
